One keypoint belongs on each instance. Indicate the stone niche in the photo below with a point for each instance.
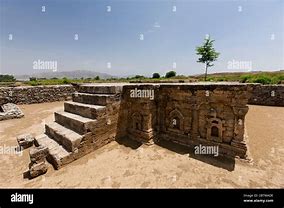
(175, 121)
(141, 112)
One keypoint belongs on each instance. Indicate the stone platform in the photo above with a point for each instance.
(187, 113)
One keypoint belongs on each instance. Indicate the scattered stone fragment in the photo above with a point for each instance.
(38, 169)
(25, 140)
(10, 111)
(38, 154)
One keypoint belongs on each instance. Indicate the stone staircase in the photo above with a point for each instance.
(87, 123)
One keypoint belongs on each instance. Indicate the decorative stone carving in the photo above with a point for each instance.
(175, 121)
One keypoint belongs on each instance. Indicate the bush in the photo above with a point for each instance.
(170, 74)
(277, 79)
(156, 76)
(7, 78)
(139, 77)
(262, 79)
(97, 78)
(34, 83)
(221, 79)
(33, 79)
(245, 78)
(66, 81)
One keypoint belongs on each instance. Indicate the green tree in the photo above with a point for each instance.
(33, 79)
(170, 74)
(207, 53)
(7, 78)
(97, 78)
(139, 77)
(156, 76)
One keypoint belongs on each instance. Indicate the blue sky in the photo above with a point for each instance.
(244, 31)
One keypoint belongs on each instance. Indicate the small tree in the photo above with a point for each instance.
(139, 77)
(156, 76)
(170, 74)
(207, 53)
(33, 79)
(97, 78)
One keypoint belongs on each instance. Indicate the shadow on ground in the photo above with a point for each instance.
(220, 161)
(129, 143)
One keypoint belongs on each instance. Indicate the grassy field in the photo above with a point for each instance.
(250, 77)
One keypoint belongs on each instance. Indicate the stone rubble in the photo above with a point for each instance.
(25, 140)
(38, 164)
(10, 111)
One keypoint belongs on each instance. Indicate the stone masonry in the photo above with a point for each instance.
(37, 94)
(87, 123)
(188, 114)
(269, 95)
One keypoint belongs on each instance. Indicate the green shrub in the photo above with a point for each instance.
(7, 78)
(34, 83)
(139, 77)
(245, 78)
(33, 79)
(66, 81)
(262, 79)
(170, 74)
(156, 76)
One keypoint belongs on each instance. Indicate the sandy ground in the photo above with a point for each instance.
(127, 164)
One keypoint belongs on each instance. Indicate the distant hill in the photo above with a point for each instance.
(77, 74)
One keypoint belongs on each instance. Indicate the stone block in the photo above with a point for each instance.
(38, 169)
(25, 140)
(38, 154)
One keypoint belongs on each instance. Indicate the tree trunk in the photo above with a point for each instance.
(205, 72)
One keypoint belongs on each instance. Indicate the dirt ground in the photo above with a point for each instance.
(126, 164)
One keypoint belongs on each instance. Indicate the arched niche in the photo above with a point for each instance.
(214, 129)
(176, 120)
(137, 121)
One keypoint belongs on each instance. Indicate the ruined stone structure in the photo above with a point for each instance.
(10, 111)
(37, 94)
(87, 123)
(269, 95)
(189, 114)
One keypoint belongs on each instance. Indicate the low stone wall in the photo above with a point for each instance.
(270, 95)
(38, 94)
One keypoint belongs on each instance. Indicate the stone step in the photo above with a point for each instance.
(94, 99)
(85, 110)
(69, 139)
(100, 89)
(74, 122)
(57, 155)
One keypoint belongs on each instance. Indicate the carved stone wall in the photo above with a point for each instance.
(189, 114)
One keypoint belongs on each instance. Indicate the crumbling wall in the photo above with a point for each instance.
(38, 94)
(270, 95)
